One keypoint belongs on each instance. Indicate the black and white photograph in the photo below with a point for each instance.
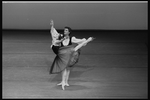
(74, 49)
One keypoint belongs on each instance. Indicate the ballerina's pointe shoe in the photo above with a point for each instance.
(59, 83)
(66, 84)
(88, 40)
(63, 86)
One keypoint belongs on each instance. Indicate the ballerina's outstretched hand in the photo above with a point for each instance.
(51, 22)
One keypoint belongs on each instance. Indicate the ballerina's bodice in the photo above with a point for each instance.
(66, 42)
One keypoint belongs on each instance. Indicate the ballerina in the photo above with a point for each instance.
(67, 54)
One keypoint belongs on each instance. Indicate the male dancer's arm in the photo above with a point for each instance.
(78, 41)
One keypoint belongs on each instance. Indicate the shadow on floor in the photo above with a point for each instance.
(72, 87)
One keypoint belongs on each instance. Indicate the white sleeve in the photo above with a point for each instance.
(53, 32)
(75, 40)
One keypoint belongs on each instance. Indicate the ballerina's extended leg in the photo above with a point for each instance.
(83, 44)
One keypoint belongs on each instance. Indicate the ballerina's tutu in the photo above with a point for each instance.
(65, 58)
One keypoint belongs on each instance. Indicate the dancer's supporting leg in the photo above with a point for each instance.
(67, 77)
(63, 77)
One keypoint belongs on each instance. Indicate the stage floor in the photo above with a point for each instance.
(114, 65)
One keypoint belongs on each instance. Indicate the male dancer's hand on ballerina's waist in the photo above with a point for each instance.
(63, 39)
